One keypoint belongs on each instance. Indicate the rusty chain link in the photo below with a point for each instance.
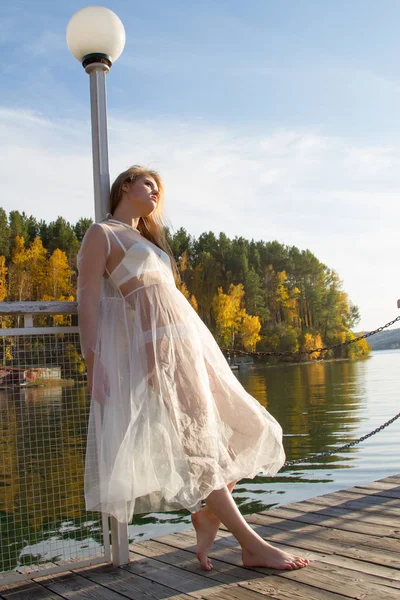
(301, 352)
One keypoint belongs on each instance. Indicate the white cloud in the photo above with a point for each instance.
(337, 197)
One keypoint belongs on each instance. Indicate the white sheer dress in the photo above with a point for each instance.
(169, 421)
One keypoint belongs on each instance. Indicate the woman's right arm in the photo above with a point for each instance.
(92, 259)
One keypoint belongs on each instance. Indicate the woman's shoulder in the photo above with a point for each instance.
(103, 229)
(95, 236)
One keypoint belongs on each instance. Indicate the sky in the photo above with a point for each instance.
(271, 120)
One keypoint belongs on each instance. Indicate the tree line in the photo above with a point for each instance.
(253, 295)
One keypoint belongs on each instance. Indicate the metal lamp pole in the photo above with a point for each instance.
(96, 37)
(97, 72)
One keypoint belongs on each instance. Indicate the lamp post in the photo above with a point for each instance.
(96, 37)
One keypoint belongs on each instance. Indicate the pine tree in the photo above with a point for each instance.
(81, 227)
(4, 234)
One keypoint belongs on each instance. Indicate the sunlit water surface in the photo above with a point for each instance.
(320, 406)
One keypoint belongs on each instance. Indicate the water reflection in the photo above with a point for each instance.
(42, 445)
(42, 432)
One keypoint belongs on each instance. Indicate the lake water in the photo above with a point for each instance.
(320, 406)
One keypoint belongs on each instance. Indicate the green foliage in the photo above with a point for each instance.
(81, 227)
(18, 227)
(298, 300)
(61, 235)
(290, 299)
(4, 235)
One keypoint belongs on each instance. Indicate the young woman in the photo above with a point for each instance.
(170, 425)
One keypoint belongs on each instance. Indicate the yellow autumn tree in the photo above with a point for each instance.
(18, 277)
(282, 304)
(228, 313)
(223, 314)
(291, 308)
(249, 332)
(36, 269)
(58, 284)
(4, 321)
(357, 349)
(311, 342)
(193, 303)
(182, 287)
(3, 278)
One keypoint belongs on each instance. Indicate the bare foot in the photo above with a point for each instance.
(206, 525)
(272, 558)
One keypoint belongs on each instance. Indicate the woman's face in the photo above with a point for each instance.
(143, 194)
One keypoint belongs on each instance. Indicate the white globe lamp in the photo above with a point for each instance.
(95, 34)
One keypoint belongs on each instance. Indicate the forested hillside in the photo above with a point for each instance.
(385, 340)
(252, 294)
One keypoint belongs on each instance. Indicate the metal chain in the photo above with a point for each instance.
(325, 349)
(290, 463)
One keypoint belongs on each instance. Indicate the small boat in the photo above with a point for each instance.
(11, 377)
(242, 361)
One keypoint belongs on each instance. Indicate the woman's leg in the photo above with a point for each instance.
(256, 552)
(206, 525)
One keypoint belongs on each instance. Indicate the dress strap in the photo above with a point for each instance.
(115, 235)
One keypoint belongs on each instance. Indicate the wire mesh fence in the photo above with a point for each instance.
(43, 418)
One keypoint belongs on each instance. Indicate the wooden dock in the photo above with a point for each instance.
(352, 538)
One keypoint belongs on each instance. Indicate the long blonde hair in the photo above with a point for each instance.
(153, 226)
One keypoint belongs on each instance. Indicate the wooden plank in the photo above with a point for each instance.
(382, 573)
(245, 577)
(194, 584)
(352, 584)
(315, 536)
(183, 559)
(227, 549)
(350, 537)
(130, 585)
(380, 485)
(365, 559)
(339, 532)
(372, 555)
(234, 592)
(384, 493)
(27, 591)
(375, 516)
(356, 493)
(75, 587)
(286, 589)
(38, 308)
(335, 542)
(391, 479)
(389, 506)
(341, 522)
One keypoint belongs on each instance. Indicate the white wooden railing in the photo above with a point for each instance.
(16, 468)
